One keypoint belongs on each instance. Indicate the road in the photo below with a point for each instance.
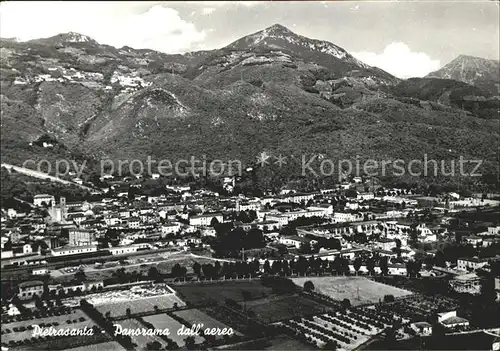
(41, 175)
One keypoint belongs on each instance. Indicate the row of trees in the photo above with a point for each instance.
(301, 266)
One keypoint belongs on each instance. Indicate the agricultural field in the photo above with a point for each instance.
(140, 340)
(194, 316)
(211, 293)
(19, 331)
(279, 342)
(358, 290)
(420, 307)
(162, 321)
(236, 320)
(147, 304)
(277, 308)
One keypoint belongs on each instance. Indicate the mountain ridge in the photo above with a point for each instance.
(285, 93)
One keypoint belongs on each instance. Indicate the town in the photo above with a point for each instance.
(354, 266)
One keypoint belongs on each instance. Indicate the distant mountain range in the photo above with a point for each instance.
(476, 71)
(273, 90)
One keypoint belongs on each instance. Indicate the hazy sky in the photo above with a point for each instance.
(406, 38)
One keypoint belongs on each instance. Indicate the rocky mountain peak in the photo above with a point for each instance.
(66, 38)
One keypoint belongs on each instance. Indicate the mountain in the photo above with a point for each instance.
(477, 71)
(273, 91)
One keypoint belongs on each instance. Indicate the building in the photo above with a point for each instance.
(81, 237)
(385, 244)
(298, 198)
(422, 328)
(277, 217)
(206, 219)
(43, 200)
(295, 241)
(170, 228)
(134, 223)
(120, 250)
(27, 290)
(40, 271)
(365, 196)
(73, 250)
(451, 321)
(466, 283)
(494, 230)
(347, 217)
(471, 264)
(58, 213)
(83, 287)
(327, 209)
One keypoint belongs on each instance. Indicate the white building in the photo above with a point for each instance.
(206, 219)
(43, 199)
(73, 250)
(472, 263)
(170, 228)
(347, 217)
(450, 320)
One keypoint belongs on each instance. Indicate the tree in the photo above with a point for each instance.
(178, 271)
(346, 303)
(370, 265)
(197, 267)
(189, 342)
(128, 312)
(488, 293)
(384, 265)
(153, 273)
(305, 248)
(267, 267)
(214, 222)
(388, 298)
(80, 276)
(308, 286)
(357, 264)
(154, 345)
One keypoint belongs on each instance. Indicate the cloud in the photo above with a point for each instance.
(399, 60)
(152, 27)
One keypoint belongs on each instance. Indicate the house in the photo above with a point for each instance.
(43, 200)
(466, 283)
(134, 222)
(40, 271)
(77, 181)
(494, 230)
(27, 290)
(22, 249)
(327, 209)
(206, 219)
(365, 196)
(422, 328)
(279, 218)
(208, 232)
(347, 217)
(170, 228)
(473, 240)
(112, 220)
(83, 287)
(293, 240)
(471, 264)
(385, 244)
(451, 321)
(298, 198)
